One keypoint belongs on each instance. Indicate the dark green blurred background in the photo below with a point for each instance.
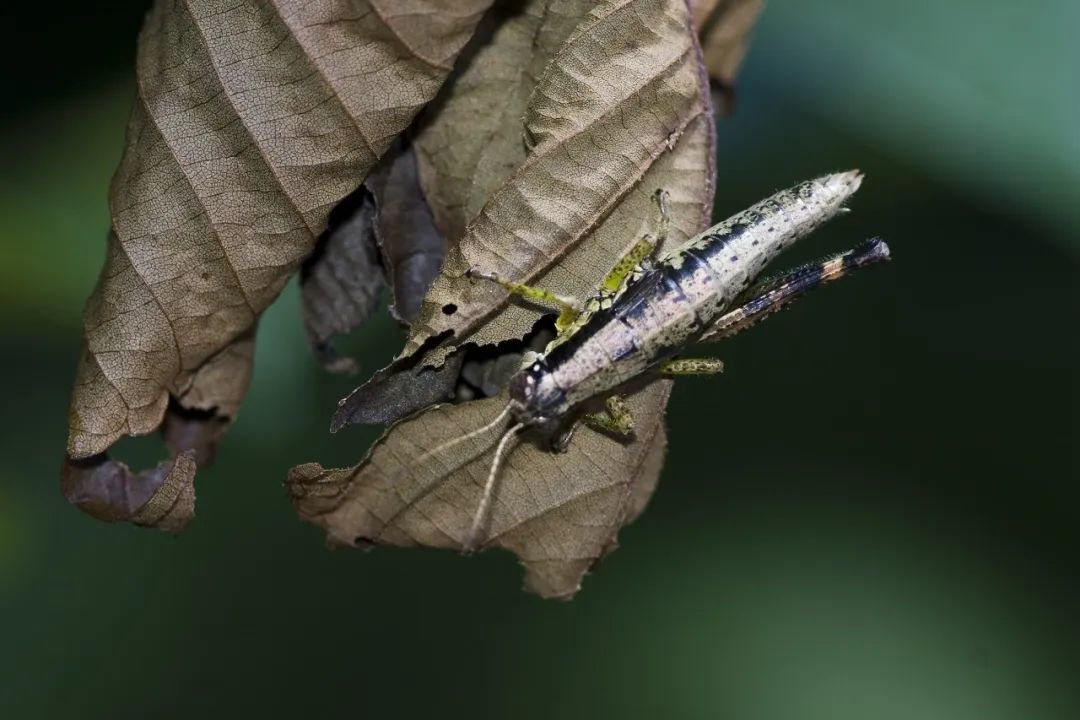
(901, 544)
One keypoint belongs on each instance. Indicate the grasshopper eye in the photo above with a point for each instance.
(521, 387)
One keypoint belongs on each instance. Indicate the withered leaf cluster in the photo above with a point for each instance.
(378, 146)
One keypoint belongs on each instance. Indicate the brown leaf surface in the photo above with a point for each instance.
(470, 139)
(624, 88)
(558, 512)
(251, 122)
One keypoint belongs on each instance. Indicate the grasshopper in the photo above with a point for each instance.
(649, 309)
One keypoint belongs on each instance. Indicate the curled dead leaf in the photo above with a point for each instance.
(381, 234)
(161, 498)
(253, 122)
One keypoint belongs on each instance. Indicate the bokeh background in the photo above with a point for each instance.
(872, 514)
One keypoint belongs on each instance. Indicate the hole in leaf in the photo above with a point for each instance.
(449, 309)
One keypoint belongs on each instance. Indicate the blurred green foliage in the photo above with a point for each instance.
(981, 94)
(872, 514)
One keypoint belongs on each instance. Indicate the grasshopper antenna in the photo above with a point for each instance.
(472, 539)
(443, 447)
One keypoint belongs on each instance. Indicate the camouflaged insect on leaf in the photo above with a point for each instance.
(559, 512)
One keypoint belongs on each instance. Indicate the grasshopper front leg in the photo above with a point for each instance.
(530, 292)
(641, 253)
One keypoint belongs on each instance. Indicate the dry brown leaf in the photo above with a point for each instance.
(558, 512)
(395, 392)
(251, 122)
(194, 423)
(724, 28)
(249, 126)
(622, 90)
(686, 172)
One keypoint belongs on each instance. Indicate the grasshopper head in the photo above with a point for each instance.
(538, 398)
